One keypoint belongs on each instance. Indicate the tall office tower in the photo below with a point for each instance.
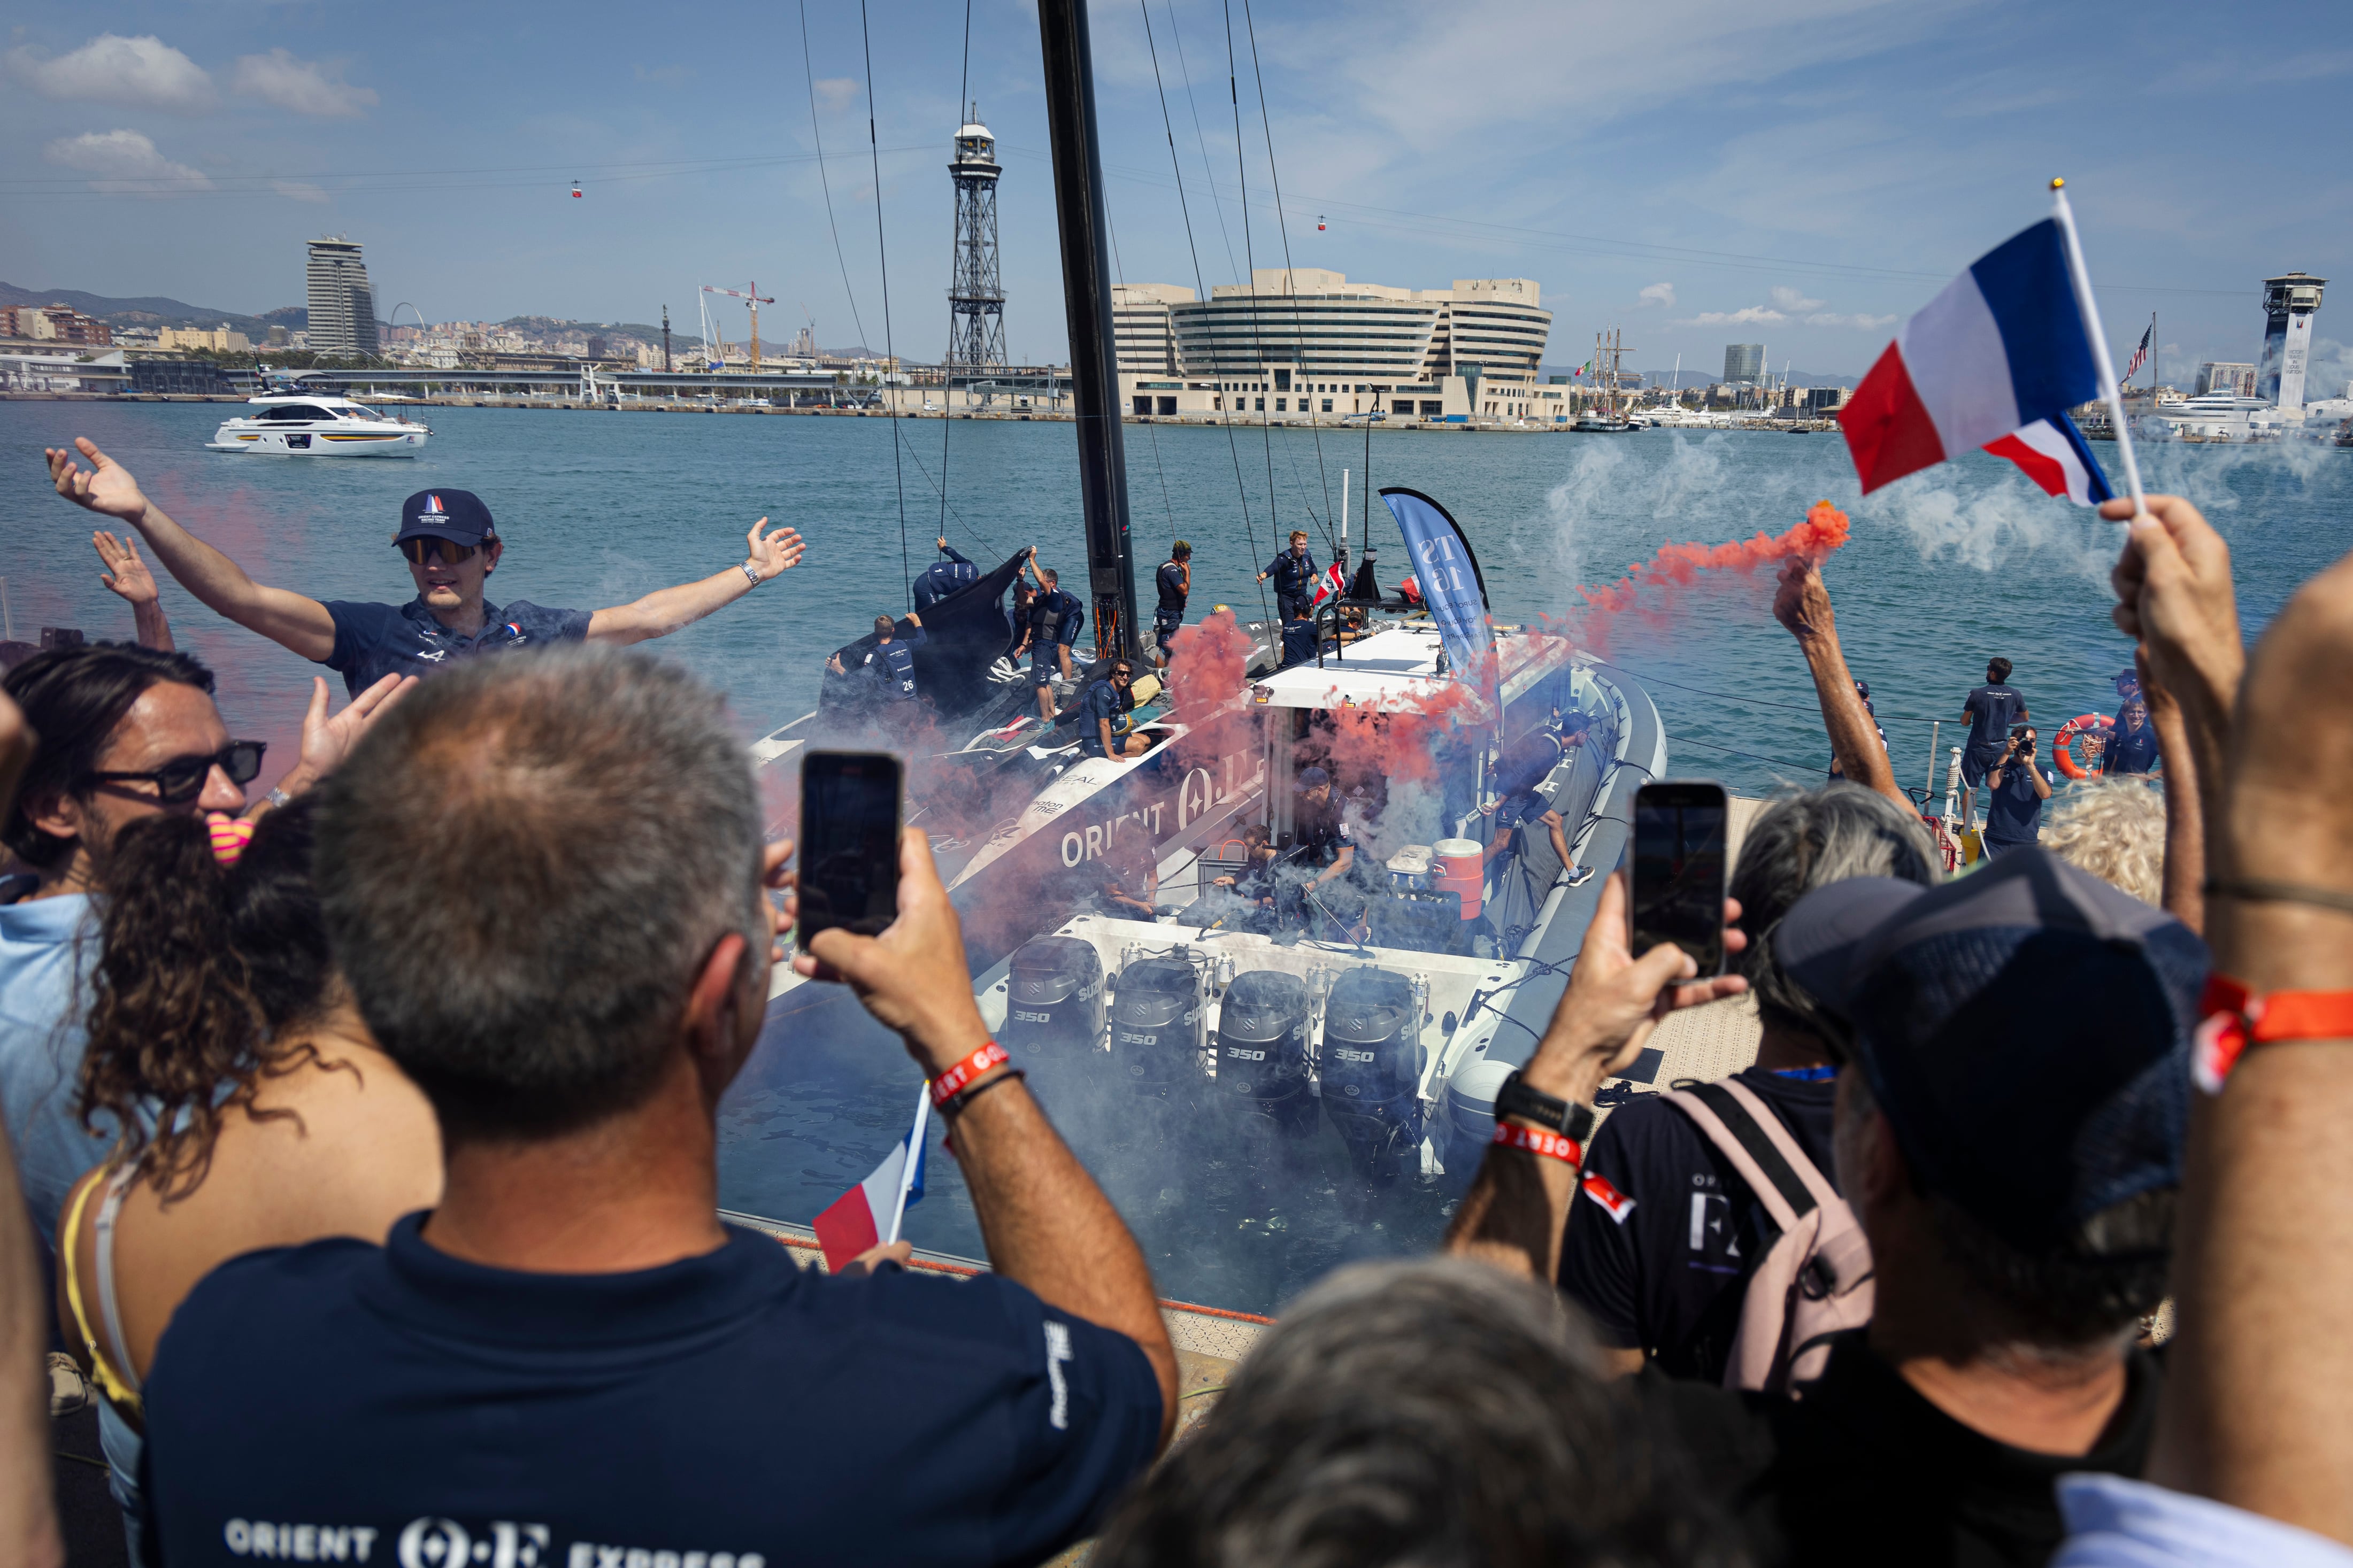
(976, 296)
(2289, 302)
(1743, 361)
(342, 306)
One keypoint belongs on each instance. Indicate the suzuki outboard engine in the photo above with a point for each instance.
(1054, 1007)
(1371, 1062)
(1262, 1053)
(1156, 1025)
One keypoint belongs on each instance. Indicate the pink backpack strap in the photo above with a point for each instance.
(1760, 1148)
(1777, 1131)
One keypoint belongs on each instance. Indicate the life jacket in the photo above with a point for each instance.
(1047, 613)
(900, 685)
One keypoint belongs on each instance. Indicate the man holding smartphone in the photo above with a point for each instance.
(2015, 791)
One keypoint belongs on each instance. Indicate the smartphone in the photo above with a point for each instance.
(850, 809)
(1680, 869)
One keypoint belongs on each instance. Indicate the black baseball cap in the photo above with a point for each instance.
(2025, 1029)
(458, 516)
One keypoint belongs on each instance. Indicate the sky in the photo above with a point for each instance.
(1802, 174)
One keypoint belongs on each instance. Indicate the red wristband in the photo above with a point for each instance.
(952, 1082)
(1536, 1141)
(2235, 1018)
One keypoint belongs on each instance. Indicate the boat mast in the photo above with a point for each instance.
(1086, 292)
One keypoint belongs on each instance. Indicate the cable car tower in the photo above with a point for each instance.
(976, 296)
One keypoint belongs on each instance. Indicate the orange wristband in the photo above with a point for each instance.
(1536, 1141)
(2236, 1018)
(952, 1082)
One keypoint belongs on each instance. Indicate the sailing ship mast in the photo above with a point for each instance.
(1082, 218)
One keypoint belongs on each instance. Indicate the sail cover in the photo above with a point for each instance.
(964, 634)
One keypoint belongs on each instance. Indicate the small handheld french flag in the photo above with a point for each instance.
(2053, 454)
(867, 1215)
(2005, 345)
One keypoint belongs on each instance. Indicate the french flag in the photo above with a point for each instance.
(2055, 456)
(868, 1214)
(2003, 347)
(1328, 587)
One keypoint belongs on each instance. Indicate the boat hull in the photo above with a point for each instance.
(321, 443)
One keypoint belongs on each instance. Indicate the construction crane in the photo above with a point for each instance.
(757, 300)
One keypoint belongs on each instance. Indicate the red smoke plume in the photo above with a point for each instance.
(1206, 663)
(1678, 566)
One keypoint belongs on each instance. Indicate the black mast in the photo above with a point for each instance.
(1086, 289)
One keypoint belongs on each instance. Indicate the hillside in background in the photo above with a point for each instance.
(157, 311)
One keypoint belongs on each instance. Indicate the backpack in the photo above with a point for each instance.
(1812, 1281)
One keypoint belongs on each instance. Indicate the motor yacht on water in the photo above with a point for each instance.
(306, 425)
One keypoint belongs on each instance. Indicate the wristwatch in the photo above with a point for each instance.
(1565, 1116)
(745, 567)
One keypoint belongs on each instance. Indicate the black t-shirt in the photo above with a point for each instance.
(2013, 811)
(1992, 710)
(414, 1408)
(1864, 1471)
(1664, 1232)
(373, 641)
(1320, 830)
(1171, 583)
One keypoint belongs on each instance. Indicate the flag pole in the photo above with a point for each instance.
(914, 1156)
(2090, 309)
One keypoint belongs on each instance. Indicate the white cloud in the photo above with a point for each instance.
(1788, 306)
(1831, 319)
(835, 93)
(125, 163)
(1790, 300)
(1659, 294)
(1746, 316)
(298, 190)
(307, 87)
(144, 72)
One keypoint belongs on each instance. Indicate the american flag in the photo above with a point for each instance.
(2140, 354)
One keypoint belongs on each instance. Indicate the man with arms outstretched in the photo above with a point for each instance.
(451, 547)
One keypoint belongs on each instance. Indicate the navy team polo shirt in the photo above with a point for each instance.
(373, 641)
(394, 1406)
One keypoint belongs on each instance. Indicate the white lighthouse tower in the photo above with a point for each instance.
(2289, 304)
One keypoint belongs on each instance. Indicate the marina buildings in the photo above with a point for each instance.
(1307, 341)
(342, 306)
(2218, 376)
(53, 324)
(1744, 363)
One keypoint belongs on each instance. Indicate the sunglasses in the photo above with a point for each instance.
(182, 779)
(1122, 674)
(420, 551)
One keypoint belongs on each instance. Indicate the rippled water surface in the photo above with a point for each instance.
(1944, 569)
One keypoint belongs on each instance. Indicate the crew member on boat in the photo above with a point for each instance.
(1174, 582)
(889, 661)
(1293, 571)
(1319, 831)
(943, 576)
(2132, 745)
(1053, 626)
(1104, 722)
(451, 547)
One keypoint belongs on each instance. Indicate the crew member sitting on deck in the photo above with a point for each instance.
(572, 1336)
(1053, 626)
(1255, 882)
(940, 578)
(451, 547)
(1293, 571)
(1174, 582)
(1103, 716)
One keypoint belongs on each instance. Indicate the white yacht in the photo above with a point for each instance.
(308, 426)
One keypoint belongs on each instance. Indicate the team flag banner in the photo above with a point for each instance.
(2055, 455)
(869, 1214)
(2004, 346)
(1448, 575)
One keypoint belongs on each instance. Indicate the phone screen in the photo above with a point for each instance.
(848, 843)
(1679, 870)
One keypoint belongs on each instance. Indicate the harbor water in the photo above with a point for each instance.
(1944, 569)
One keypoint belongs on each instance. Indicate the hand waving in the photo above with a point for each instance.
(126, 574)
(326, 742)
(108, 489)
(776, 552)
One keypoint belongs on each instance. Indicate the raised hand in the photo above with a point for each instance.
(1802, 603)
(2174, 597)
(126, 574)
(776, 552)
(107, 487)
(327, 741)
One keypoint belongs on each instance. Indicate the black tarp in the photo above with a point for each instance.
(964, 634)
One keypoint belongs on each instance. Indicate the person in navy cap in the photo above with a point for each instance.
(451, 547)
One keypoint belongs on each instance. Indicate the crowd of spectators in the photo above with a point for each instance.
(368, 1132)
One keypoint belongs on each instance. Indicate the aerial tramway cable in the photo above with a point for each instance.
(964, 85)
(889, 352)
(1233, 447)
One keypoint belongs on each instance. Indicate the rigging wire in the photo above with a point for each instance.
(1200, 140)
(1233, 447)
(1258, 335)
(964, 85)
(1290, 282)
(809, 72)
(889, 352)
(1152, 430)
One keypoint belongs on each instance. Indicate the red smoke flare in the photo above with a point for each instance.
(1678, 566)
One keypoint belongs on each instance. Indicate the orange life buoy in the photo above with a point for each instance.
(2082, 727)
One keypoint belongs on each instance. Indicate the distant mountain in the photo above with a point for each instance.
(156, 310)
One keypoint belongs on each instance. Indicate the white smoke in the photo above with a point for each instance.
(2001, 527)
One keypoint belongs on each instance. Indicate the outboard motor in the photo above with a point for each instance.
(1156, 1026)
(1371, 1068)
(1263, 1067)
(1054, 1009)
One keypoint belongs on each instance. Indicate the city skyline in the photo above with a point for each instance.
(1805, 177)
